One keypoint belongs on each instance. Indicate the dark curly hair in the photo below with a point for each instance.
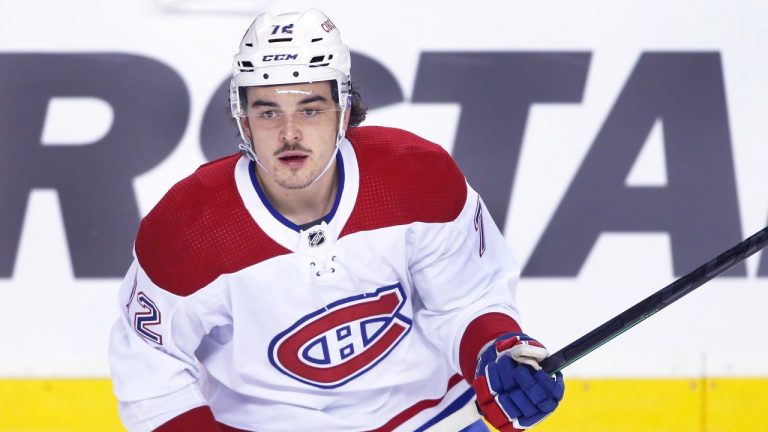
(359, 111)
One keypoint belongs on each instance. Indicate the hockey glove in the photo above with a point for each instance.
(513, 392)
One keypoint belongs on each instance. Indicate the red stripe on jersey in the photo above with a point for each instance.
(479, 332)
(201, 230)
(198, 419)
(403, 179)
(225, 428)
(206, 423)
(416, 408)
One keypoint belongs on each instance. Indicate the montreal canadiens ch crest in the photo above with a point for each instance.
(334, 345)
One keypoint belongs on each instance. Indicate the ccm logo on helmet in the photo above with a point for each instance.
(279, 57)
(332, 346)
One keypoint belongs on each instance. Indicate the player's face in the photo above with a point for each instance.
(293, 129)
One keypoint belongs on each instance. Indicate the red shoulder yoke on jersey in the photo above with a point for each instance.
(403, 179)
(201, 230)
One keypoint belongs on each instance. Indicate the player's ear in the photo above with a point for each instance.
(246, 127)
(347, 113)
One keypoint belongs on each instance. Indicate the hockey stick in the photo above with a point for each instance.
(654, 303)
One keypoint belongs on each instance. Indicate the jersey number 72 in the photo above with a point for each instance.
(148, 317)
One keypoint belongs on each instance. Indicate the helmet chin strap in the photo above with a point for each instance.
(339, 138)
(247, 147)
(327, 165)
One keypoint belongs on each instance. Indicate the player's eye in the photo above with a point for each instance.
(268, 115)
(309, 112)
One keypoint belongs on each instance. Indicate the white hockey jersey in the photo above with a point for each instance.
(357, 324)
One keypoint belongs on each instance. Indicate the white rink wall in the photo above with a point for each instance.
(58, 324)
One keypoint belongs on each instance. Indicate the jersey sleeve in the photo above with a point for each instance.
(152, 351)
(466, 278)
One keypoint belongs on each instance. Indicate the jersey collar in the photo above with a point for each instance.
(275, 224)
(282, 219)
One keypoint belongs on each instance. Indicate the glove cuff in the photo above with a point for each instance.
(480, 331)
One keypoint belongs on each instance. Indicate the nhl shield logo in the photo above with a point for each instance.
(316, 238)
(345, 339)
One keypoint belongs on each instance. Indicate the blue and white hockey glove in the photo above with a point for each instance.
(513, 392)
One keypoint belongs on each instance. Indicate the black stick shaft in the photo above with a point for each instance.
(654, 303)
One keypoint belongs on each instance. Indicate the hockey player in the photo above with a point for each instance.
(327, 278)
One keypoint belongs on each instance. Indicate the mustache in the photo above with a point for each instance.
(291, 147)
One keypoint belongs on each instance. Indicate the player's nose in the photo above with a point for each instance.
(289, 130)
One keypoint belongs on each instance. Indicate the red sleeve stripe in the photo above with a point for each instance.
(479, 332)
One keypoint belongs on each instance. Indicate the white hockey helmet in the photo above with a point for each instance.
(287, 49)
